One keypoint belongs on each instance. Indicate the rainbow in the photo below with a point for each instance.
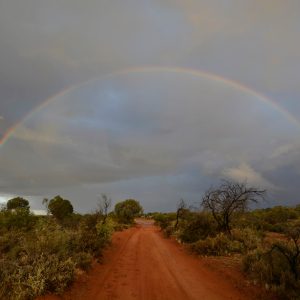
(157, 69)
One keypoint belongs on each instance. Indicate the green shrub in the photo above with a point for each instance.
(272, 269)
(17, 203)
(19, 219)
(60, 208)
(8, 241)
(127, 210)
(104, 231)
(43, 274)
(43, 259)
(279, 264)
(163, 220)
(217, 246)
(240, 241)
(279, 214)
(83, 260)
(199, 227)
(275, 219)
(249, 238)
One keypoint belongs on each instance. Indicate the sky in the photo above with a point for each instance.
(152, 100)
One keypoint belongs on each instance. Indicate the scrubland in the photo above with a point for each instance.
(43, 254)
(266, 243)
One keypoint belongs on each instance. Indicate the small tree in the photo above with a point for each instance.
(104, 204)
(60, 208)
(45, 202)
(16, 203)
(181, 208)
(16, 214)
(229, 198)
(127, 210)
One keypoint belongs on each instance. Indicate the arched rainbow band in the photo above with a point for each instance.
(156, 69)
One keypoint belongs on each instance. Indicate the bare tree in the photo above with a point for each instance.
(46, 204)
(104, 203)
(181, 208)
(230, 197)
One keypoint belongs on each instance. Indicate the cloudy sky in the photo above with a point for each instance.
(153, 100)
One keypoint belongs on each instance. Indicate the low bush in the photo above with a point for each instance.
(272, 270)
(278, 265)
(240, 241)
(217, 246)
(275, 219)
(38, 275)
(163, 220)
(18, 219)
(249, 238)
(83, 260)
(199, 227)
(44, 259)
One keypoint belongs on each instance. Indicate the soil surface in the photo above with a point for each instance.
(142, 264)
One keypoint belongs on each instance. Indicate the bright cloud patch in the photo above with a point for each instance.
(244, 173)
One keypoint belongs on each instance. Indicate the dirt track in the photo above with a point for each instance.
(142, 264)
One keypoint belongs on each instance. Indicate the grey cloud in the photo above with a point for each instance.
(117, 133)
(158, 125)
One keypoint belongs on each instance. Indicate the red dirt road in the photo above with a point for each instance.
(142, 264)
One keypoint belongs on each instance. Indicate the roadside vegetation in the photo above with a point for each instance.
(43, 254)
(265, 241)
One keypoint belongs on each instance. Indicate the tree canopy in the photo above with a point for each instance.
(127, 210)
(60, 208)
(16, 203)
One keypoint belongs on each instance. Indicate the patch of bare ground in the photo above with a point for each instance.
(272, 237)
(231, 268)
